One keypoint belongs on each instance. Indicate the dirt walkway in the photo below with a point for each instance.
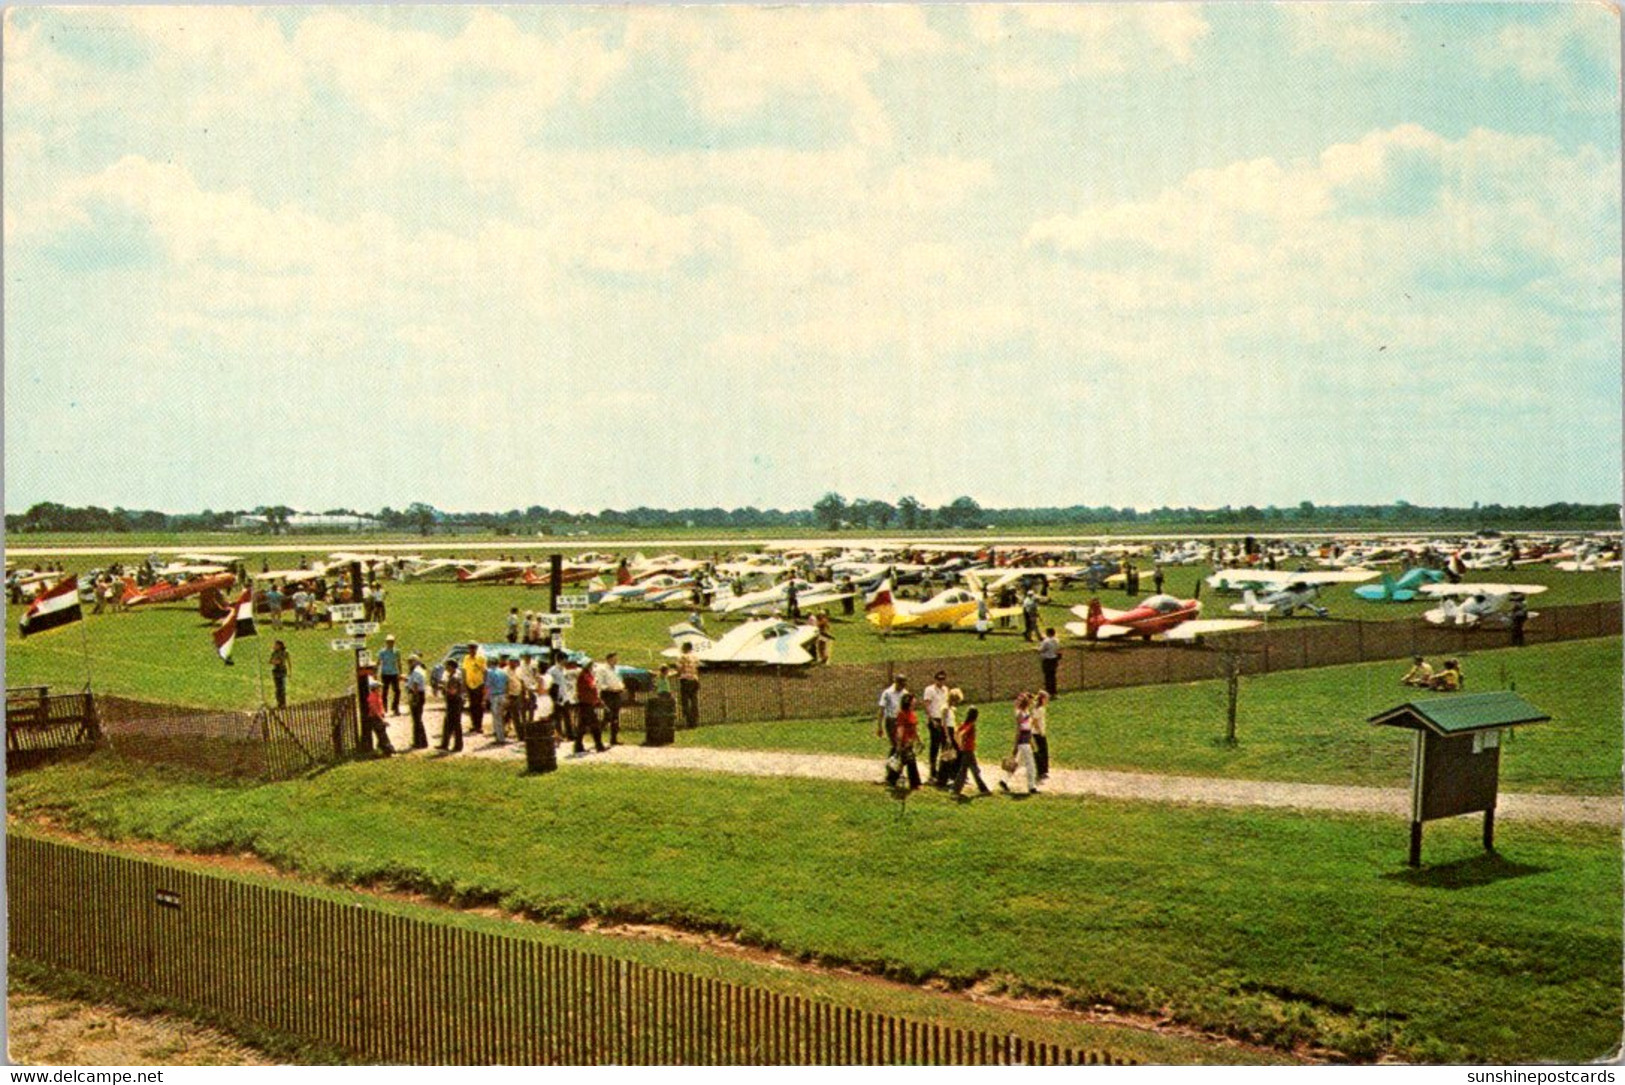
(1149, 787)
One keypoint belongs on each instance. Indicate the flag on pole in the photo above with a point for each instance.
(239, 623)
(52, 608)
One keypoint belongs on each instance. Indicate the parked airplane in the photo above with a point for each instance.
(1234, 580)
(1482, 605)
(1289, 592)
(653, 590)
(1157, 615)
(1401, 590)
(807, 595)
(761, 642)
(168, 592)
(493, 572)
(955, 608)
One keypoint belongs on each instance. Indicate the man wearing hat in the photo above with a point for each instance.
(417, 693)
(389, 669)
(372, 726)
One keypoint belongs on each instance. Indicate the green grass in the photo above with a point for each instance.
(165, 653)
(1305, 725)
(1285, 929)
(925, 1005)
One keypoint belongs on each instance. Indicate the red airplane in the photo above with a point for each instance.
(1158, 615)
(165, 592)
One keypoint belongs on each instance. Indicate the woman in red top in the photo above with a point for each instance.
(906, 736)
(965, 739)
(587, 702)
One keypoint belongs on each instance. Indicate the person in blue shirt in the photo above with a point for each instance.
(389, 670)
(273, 603)
(496, 688)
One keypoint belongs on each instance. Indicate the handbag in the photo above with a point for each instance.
(894, 763)
(1009, 765)
(947, 758)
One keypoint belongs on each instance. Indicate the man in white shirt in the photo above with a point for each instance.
(935, 699)
(891, 703)
(612, 688)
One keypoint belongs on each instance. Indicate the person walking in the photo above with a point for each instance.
(891, 702)
(389, 671)
(562, 686)
(902, 759)
(934, 698)
(273, 603)
(982, 622)
(1022, 751)
(965, 739)
(1518, 616)
(513, 625)
(1156, 579)
(688, 685)
(1041, 735)
(825, 638)
(1029, 617)
(1049, 659)
(451, 729)
(612, 688)
(373, 730)
(496, 689)
(379, 610)
(281, 667)
(417, 694)
(587, 704)
(474, 686)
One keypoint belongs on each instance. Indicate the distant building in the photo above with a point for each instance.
(308, 521)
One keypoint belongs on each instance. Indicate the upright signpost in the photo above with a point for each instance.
(555, 580)
(351, 614)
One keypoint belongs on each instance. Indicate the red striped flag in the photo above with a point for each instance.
(59, 606)
(239, 623)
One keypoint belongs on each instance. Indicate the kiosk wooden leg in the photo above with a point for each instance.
(1489, 829)
(1416, 843)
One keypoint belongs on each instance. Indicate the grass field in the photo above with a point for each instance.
(1305, 725)
(165, 653)
(1286, 929)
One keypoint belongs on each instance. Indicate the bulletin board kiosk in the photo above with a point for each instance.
(1456, 766)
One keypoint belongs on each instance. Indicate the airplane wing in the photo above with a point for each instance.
(1198, 627)
(994, 614)
(1485, 589)
(1083, 612)
(1105, 632)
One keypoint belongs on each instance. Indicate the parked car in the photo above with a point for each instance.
(638, 679)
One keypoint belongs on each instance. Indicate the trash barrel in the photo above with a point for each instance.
(660, 720)
(540, 755)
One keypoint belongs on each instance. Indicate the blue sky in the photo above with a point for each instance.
(1101, 254)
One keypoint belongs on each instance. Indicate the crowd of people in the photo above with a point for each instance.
(951, 738)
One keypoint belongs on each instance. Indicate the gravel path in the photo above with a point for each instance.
(1149, 787)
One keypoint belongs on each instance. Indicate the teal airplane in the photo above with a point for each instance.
(1403, 590)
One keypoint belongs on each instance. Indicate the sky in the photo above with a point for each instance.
(1140, 254)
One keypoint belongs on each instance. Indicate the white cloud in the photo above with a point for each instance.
(1105, 39)
(1351, 34)
(1551, 53)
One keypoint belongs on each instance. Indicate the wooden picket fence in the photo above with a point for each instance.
(392, 988)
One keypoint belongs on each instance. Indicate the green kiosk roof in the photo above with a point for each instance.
(1460, 713)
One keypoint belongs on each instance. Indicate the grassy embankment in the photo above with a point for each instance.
(1292, 930)
(165, 653)
(1305, 726)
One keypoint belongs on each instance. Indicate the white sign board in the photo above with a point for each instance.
(557, 621)
(347, 612)
(346, 644)
(361, 629)
(574, 602)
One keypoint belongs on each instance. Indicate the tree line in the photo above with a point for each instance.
(833, 512)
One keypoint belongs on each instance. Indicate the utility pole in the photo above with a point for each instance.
(1233, 688)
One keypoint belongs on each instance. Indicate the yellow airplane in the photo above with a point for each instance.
(955, 608)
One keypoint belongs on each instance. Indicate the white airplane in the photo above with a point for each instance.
(182, 569)
(763, 642)
(1288, 592)
(421, 569)
(1588, 559)
(493, 571)
(807, 595)
(655, 589)
(209, 559)
(1482, 604)
(996, 578)
(1275, 579)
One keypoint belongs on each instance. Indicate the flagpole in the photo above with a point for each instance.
(84, 642)
(259, 664)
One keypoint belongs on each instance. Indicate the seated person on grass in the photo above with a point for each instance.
(1449, 680)
(1420, 674)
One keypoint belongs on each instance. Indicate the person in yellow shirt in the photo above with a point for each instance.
(1448, 680)
(474, 681)
(1420, 674)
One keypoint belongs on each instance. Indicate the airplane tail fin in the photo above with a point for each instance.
(1249, 599)
(684, 633)
(464, 574)
(1388, 586)
(880, 608)
(1095, 619)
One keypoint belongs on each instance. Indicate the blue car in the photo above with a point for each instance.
(637, 679)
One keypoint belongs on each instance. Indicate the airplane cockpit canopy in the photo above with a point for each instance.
(1163, 604)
